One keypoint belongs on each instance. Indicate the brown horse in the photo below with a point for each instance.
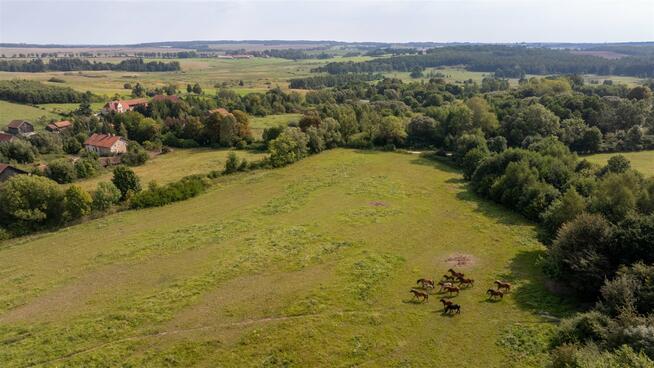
(452, 289)
(444, 284)
(420, 294)
(466, 282)
(502, 285)
(455, 274)
(425, 283)
(449, 278)
(446, 302)
(453, 307)
(494, 293)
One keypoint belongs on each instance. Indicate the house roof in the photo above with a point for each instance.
(4, 137)
(17, 123)
(135, 101)
(60, 125)
(4, 167)
(102, 140)
(220, 110)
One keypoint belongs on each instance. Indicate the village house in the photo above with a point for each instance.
(120, 106)
(5, 137)
(58, 126)
(106, 144)
(7, 171)
(20, 127)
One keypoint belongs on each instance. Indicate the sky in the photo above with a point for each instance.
(136, 21)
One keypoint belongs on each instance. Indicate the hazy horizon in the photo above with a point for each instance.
(472, 21)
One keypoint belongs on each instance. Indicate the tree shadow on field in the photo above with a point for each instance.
(486, 207)
(533, 292)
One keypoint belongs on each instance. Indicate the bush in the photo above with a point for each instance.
(18, 150)
(233, 164)
(72, 146)
(126, 181)
(288, 147)
(29, 203)
(155, 195)
(86, 167)
(61, 170)
(77, 202)
(105, 195)
(135, 155)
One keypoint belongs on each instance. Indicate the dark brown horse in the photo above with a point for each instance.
(452, 289)
(494, 293)
(466, 282)
(449, 278)
(502, 285)
(455, 274)
(420, 294)
(425, 283)
(444, 284)
(453, 307)
(446, 302)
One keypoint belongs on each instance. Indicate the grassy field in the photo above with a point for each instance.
(642, 161)
(258, 124)
(11, 111)
(175, 165)
(305, 266)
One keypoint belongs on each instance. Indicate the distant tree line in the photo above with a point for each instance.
(77, 64)
(34, 92)
(507, 61)
(331, 80)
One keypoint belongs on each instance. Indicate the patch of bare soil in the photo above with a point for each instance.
(460, 260)
(378, 204)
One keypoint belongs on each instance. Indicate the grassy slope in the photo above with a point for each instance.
(291, 267)
(10, 111)
(175, 165)
(642, 161)
(258, 124)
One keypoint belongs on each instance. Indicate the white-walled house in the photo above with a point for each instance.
(106, 144)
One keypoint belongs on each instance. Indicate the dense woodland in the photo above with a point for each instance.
(516, 146)
(77, 64)
(504, 61)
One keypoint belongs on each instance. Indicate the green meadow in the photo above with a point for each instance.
(305, 266)
(12, 111)
(642, 161)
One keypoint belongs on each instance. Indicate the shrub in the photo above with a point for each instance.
(105, 195)
(126, 181)
(77, 202)
(288, 147)
(61, 170)
(72, 146)
(29, 203)
(18, 150)
(156, 195)
(86, 167)
(135, 155)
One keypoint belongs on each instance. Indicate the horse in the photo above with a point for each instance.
(446, 302)
(494, 293)
(444, 284)
(467, 282)
(455, 274)
(452, 307)
(448, 277)
(420, 294)
(502, 285)
(452, 289)
(426, 283)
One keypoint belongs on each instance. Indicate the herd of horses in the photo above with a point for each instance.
(452, 283)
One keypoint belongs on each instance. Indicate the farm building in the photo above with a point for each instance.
(120, 106)
(106, 144)
(4, 137)
(58, 126)
(7, 171)
(18, 127)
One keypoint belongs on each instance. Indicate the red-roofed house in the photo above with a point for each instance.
(106, 144)
(7, 171)
(120, 106)
(5, 137)
(58, 126)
